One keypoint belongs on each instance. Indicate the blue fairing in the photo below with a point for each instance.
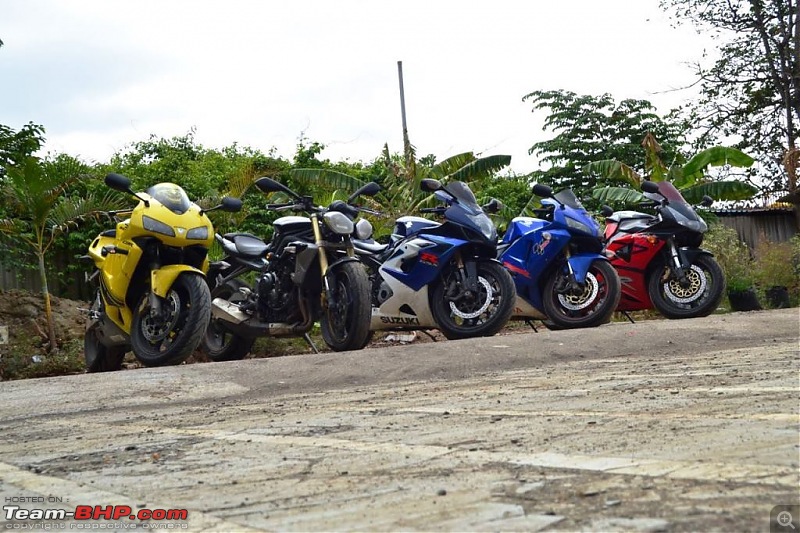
(520, 226)
(422, 272)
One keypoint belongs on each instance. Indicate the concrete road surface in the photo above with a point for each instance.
(682, 425)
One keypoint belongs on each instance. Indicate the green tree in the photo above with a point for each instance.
(690, 178)
(15, 146)
(751, 90)
(35, 193)
(592, 128)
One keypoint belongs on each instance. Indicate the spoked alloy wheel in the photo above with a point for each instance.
(698, 295)
(219, 344)
(345, 321)
(170, 337)
(460, 315)
(586, 306)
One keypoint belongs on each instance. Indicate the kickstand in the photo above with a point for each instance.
(628, 316)
(310, 342)
(531, 324)
(429, 335)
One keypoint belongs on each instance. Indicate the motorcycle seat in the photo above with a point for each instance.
(619, 216)
(370, 246)
(244, 244)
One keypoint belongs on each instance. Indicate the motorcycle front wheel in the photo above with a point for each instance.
(345, 321)
(588, 306)
(100, 358)
(698, 295)
(460, 315)
(170, 337)
(218, 343)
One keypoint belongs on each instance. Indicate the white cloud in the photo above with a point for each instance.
(101, 74)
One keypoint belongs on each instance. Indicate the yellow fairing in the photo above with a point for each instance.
(162, 279)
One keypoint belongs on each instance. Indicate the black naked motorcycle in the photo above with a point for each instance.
(308, 272)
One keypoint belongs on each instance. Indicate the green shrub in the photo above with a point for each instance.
(733, 256)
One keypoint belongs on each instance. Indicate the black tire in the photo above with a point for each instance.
(474, 317)
(98, 357)
(219, 344)
(345, 325)
(592, 307)
(188, 305)
(700, 298)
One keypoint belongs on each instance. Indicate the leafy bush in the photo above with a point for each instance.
(732, 255)
(777, 264)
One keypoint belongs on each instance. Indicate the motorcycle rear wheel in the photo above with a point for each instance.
(345, 321)
(700, 297)
(98, 357)
(593, 307)
(474, 317)
(188, 310)
(218, 343)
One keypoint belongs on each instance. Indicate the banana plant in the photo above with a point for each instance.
(690, 178)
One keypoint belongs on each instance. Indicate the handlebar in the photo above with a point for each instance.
(432, 210)
(280, 206)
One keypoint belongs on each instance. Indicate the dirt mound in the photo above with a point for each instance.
(23, 314)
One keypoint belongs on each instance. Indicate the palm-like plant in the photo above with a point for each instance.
(38, 210)
(690, 178)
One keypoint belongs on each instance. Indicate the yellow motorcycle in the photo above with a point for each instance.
(152, 297)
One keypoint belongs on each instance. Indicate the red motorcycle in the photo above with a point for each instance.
(659, 259)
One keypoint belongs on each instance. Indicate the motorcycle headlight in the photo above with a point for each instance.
(199, 233)
(338, 223)
(486, 226)
(363, 229)
(156, 226)
(584, 228)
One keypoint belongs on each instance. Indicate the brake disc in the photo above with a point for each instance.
(684, 295)
(156, 329)
(573, 302)
(489, 293)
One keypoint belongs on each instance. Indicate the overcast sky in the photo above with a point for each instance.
(100, 74)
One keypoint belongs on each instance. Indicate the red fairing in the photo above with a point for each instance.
(631, 254)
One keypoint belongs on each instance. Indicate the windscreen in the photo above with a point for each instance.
(568, 198)
(669, 192)
(170, 196)
(462, 193)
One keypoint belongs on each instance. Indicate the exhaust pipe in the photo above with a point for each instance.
(222, 309)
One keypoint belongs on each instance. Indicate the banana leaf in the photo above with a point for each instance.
(608, 195)
(330, 179)
(716, 156)
(481, 167)
(719, 190)
(613, 170)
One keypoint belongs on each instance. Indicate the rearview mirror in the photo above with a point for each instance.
(650, 186)
(231, 204)
(268, 185)
(707, 201)
(493, 206)
(118, 182)
(606, 211)
(370, 189)
(542, 190)
(430, 185)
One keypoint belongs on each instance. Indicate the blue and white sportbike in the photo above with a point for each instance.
(558, 265)
(441, 276)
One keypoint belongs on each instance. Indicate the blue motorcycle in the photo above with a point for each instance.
(439, 275)
(558, 265)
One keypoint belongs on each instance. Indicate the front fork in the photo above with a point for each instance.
(679, 271)
(569, 283)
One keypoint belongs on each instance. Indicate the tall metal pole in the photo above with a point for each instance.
(402, 101)
(409, 157)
